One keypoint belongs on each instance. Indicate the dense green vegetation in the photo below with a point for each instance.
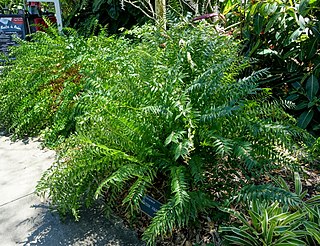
(87, 15)
(284, 37)
(193, 116)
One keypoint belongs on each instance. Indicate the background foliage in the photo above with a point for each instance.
(283, 36)
(87, 15)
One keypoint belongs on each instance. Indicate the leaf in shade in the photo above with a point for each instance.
(312, 47)
(316, 127)
(312, 87)
(271, 22)
(292, 97)
(303, 7)
(316, 31)
(258, 23)
(305, 118)
(296, 85)
(301, 105)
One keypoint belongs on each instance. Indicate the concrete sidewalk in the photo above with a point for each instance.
(26, 220)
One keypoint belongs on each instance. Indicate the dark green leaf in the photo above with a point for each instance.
(316, 32)
(302, 54)
(255, 47)
(296, 85)
(303, 7)
(281, 229)
(312, 47)
(292, 97)
(301, 105)
(258, 23)
(305, 118)
(312, 87)
(291, 53)
(271, 22)
(316, 127)
(311, 104)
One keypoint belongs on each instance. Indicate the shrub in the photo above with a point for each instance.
(41, 85)
(163, 113)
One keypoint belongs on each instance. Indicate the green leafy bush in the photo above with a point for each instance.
(41, 85)
(162, 113)
(149, 112)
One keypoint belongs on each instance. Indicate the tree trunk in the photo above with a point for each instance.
(160, 7)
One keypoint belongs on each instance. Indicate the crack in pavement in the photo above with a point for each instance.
(17, 199)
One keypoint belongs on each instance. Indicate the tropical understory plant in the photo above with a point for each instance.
(271, 224)
(41, 85)
(274, 216)
(150, 112)
(88, 15)
(285, 37)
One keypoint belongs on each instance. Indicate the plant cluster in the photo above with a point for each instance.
(39, 88)
(149, 112)
(87, 15)
(285, 37)
(272, 219)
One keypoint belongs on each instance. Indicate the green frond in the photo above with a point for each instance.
(125, 173)
(268, 193)
(256, 76)
(136, 192)
(162, 223)
(97, 4)
(173, 215)
(215, 113)
(221, 146)
(116, 154)
(179, 186)
(196, 165)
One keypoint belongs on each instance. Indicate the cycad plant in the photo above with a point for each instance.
(163, 113)
(39, 88)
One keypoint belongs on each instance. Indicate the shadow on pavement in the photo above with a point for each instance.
(92, 229)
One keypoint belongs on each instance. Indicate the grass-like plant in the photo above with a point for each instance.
(275, 216)
(266, 225)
